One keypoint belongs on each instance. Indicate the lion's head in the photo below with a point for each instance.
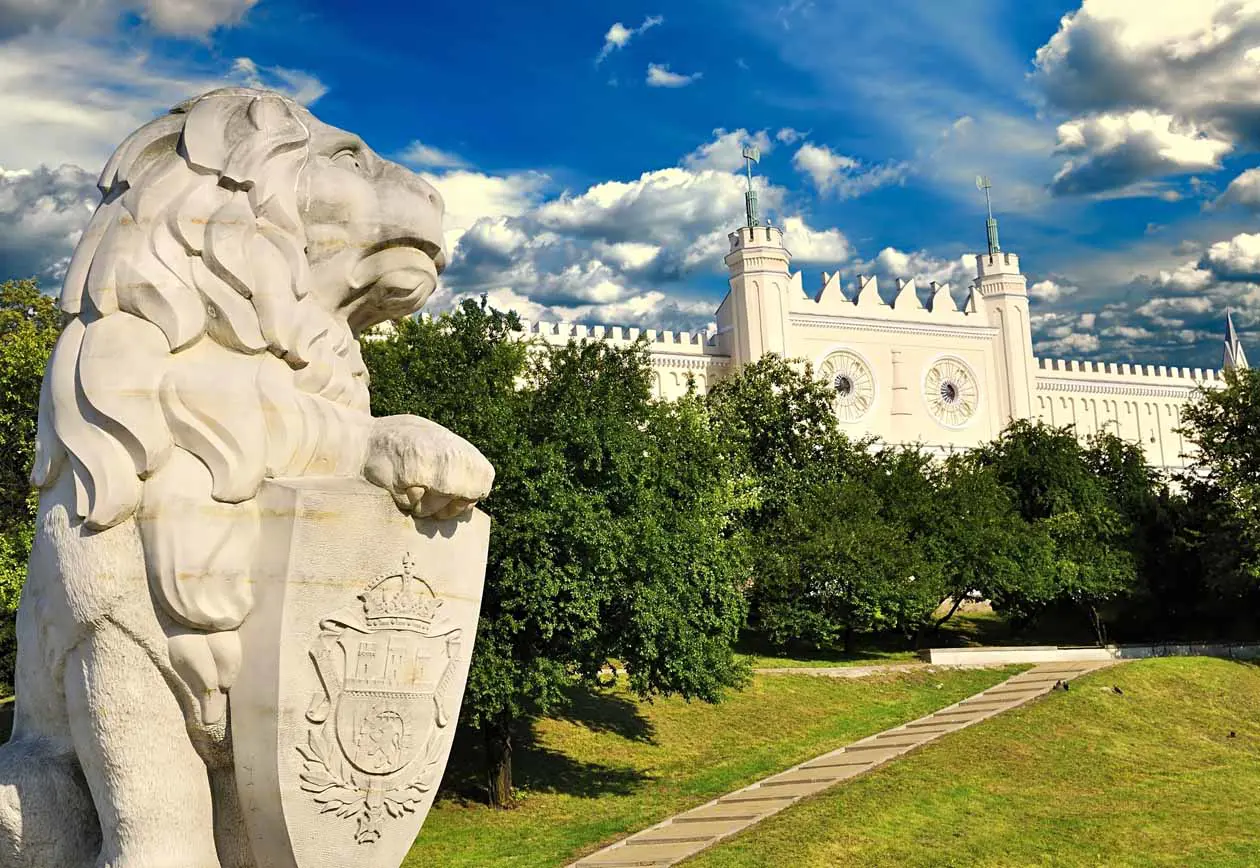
(242, 225)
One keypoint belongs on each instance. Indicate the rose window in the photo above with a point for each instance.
(852, 384)
(951, 392)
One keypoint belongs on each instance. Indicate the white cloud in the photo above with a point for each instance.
(194, 17)
(473, 196)
(789, 136)
(1153, 88)
(1070, 344)
(659, 75)
(422, 156)
(303, 87)
(189, 18)
(619, 35)
(1235, 259)
(1243, 190)
(1110, 151)
(725, 152)
(921, 267)
(66, 100)
(814, 245)
(1050, 291)
(620, 251)
(843, 176)
(42, 214)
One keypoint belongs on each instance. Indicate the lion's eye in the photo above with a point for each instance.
(347, 160)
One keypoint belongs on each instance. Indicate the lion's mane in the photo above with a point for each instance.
(196, 253)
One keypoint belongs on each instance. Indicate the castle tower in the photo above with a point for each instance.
(1003, 296)
(753, 318)
(1235, 358)
(1004, 299)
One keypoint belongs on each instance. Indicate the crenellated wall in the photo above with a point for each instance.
(674, 355)
(1139, 403)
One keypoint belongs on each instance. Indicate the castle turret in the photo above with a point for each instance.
(1003, 294)
(1235, 358)
(753, 319)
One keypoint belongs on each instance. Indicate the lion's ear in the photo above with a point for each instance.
(205, 144)
(270, 114)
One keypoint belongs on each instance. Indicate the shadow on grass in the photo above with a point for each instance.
(601, 710)
(540, 769)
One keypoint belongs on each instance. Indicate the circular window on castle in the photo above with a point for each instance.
(853, 385)
(951, 392)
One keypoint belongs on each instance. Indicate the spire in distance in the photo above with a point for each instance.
(1235, 358)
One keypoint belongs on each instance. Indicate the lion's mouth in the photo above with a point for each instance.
(398, 267)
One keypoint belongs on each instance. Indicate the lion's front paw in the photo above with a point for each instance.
(430, 471)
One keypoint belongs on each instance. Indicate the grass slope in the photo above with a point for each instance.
(1083, 778)
(614, 765)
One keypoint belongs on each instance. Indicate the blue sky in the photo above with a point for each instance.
(588, 152)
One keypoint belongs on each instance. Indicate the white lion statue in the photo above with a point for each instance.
(214, 303)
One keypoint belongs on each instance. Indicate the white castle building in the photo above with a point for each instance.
(940, 376)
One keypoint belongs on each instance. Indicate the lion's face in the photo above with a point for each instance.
(373, 229)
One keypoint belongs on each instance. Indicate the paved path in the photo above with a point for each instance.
(871, 669)
(686, 834)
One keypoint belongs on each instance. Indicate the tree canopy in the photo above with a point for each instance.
(29, 325)
(613, 537)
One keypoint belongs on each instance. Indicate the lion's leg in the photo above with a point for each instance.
(46, 812)
(149, 785)
(229, 821)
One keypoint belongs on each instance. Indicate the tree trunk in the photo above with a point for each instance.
(950, 613)
(498, 737)
(1100, 629)
(849, 640)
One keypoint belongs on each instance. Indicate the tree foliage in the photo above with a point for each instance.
(613, 535)
(29, 325)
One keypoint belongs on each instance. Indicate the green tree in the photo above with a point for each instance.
(775, 422)
(837, 570)
(29, 325)
(1055, 488)
(1209, 534)
(612, 536)
(982, 542)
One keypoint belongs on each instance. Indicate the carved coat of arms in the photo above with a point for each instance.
(376, 744)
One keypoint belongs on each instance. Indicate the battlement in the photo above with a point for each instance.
(661, 340)
(864, 299)
(756, 236)
(1130, 372)
(992, 264)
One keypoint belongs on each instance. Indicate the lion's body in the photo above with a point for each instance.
(200, 358)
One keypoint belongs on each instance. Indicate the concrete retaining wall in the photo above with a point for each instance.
(1065, 653)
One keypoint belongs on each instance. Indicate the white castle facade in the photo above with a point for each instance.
(939, 376)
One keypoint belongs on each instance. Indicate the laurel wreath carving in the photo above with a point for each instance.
(341, 790)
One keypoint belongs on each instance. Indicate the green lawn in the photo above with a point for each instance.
(614, 765)
(1083, 778)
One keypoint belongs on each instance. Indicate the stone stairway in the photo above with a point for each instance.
(686, 834)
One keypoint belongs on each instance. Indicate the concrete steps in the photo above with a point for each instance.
(686, 834)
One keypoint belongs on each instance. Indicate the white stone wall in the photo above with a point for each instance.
(1139, 403)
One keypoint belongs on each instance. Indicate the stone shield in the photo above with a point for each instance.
(356, 657)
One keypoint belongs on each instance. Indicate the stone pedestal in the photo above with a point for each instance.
(355, 659)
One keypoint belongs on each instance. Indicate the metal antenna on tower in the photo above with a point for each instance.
(751, 155)
(990, 225)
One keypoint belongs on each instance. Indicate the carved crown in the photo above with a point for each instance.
(402, 600)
